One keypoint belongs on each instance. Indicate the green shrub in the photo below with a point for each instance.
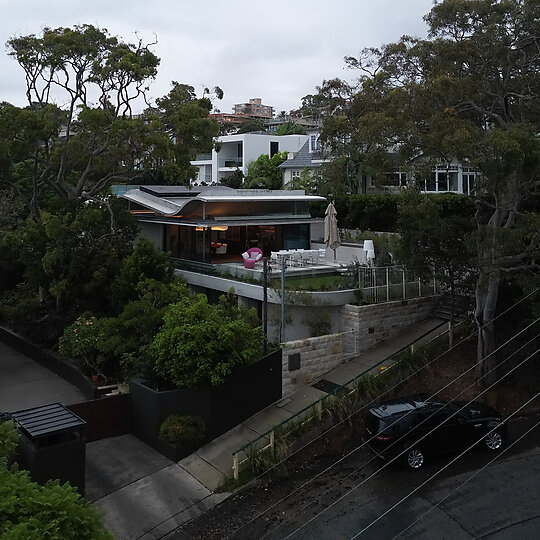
(185, 429)
(9, 438)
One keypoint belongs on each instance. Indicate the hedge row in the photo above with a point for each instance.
(379, 212)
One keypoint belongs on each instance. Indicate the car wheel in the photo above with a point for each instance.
(414, 458)
(493, 441)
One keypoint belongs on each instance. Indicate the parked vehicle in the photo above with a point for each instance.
(419, 426)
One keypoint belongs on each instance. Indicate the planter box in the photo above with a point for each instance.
(243, 394)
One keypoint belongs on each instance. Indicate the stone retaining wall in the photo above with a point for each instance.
(305, 360)
(375, 323)
(363, 327)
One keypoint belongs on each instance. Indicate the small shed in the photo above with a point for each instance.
(52, 444)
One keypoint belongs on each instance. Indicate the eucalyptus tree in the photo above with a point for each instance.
(92, 140)
(470, 91)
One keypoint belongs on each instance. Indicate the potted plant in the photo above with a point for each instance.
(184, 432)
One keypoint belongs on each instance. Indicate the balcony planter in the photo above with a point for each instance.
(244, 393)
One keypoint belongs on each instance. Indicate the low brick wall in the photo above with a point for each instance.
(375, 323)
(363, 327)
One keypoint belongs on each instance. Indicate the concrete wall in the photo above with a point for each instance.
(345, 254)
(375, 323)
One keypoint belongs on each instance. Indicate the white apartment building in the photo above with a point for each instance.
(238, 151)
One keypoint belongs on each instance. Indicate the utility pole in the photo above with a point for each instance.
(282, 329)
(265, 303)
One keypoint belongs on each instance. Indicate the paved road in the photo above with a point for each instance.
(500, 503)
(25, 384)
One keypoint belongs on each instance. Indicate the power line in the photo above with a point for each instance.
(364, 407)
(404, 451)
(440, 470)
(457, 488)
(400, 439)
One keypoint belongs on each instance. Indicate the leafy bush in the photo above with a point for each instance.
(185, 429)
(373, 212)
(28, 510)
(52, 511)
(118, 346)
(201, 344)
(9, 438)
(145, 262)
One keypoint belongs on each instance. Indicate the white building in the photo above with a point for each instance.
(238, 151)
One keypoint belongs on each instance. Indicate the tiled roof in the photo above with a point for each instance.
(303, 158)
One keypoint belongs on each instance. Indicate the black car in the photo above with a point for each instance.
(418, 426)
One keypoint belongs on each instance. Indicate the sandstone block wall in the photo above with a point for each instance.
(306, 360)
(374, 323)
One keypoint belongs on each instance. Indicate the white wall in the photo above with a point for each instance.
(253, 147)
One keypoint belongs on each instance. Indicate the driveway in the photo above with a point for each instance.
(140, 493)
(25, 384)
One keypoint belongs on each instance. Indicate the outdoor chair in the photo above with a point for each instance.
(251, 256)
(296, 258)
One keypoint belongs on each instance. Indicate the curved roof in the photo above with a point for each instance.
(175, 200)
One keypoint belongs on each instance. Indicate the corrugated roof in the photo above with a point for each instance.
(39, 422)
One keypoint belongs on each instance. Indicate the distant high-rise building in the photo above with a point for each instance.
(254, 108)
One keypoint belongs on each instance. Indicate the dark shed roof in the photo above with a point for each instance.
(46, 420)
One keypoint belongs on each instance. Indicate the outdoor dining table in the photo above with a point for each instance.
(297, 256)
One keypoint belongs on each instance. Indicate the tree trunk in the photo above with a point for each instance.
(451, 322)
(487, 289)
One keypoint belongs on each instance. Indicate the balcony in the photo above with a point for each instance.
(203, 157)
(230, 162)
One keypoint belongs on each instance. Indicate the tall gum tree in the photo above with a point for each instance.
(93, 140)
(469, 91)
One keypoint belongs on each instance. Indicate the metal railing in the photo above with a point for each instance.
(372, 285)
(316, 409)
(385, 283)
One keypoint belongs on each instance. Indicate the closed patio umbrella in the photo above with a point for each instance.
(331, 233)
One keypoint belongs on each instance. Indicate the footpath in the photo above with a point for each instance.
(143, 495)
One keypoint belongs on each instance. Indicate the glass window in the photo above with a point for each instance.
(442, 181)
(431, 183)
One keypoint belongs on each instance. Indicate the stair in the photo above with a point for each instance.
(443, 310)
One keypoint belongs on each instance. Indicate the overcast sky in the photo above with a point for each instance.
(277, 50)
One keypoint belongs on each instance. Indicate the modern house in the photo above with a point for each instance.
(207, 229)
(238, 151)
(191, 224)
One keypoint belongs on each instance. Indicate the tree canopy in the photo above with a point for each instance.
(468, 92)
(80, 149)
(200, 344)
(263, 173)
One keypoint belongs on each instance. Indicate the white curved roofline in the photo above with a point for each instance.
(158, 204)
